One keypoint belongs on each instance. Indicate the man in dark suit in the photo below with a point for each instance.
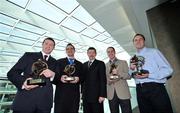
(33, 98)
(94, 84)
(67, 94)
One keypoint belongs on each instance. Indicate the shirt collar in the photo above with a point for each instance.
(113, 61)
(70, 58)
(91, 60)
(141, 50)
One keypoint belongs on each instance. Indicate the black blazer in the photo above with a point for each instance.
(67, 95)
(94, 84)
(41, 96)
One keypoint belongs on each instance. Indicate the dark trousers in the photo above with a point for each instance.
(92, 107)
(36, 111)
(124, 103)
(153, 98)
(67, 106)
(60, 108)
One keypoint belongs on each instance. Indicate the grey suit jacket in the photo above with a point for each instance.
(120, 85)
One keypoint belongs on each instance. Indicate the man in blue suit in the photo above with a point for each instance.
(33, 98)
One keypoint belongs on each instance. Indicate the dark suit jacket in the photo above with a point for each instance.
(94, 84)
(41, 97)
(67, 95)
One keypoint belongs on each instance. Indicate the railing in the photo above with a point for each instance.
(7, 93)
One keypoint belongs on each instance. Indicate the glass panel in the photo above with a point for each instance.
(72, 36)
(58, 54)
(114, 43)
(83, 15)
(30, 28)
(101, 49)
(21, 40)
(3, 36)
(66, 5)
(101, 37)
(80, 58)
(7, 20)
(107, 34)
(5, 29)
(109, 40)
(98, 27)
(90, 32)
(87, 41)
(46, 11)
(78, 47)
(25, 34)
(56, 37)
(60, 48)
(21, 3)
(74, 24)
(8, 52)
(63, 44)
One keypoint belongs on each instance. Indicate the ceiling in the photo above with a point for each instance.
(84, 23)
(24, 24)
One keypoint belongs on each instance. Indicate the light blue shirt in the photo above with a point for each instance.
(157, 65)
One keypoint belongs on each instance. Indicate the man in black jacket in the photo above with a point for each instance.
(94, 84)
(67, 94)
(33, 98)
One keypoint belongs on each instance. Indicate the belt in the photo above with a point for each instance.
(148, 84)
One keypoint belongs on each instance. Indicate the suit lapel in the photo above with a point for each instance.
(37, 56)
(108, 66)
(119, 65)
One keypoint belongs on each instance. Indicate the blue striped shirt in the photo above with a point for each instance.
(157, 65)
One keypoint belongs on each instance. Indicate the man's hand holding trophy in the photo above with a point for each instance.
(69, 70)
(113, 72)
(38, 76)
(136, 64)
(68, 78)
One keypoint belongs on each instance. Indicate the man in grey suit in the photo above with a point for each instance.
(117, 88)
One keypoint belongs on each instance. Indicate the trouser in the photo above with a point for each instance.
(153, 98)
(89, 107)
(32, 111)
(124, 103)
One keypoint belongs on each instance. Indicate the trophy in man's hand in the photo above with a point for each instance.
(69, 70)
(37, 68)
(113, 76)
(139, 62)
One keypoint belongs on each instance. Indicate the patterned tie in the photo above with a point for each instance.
(71, 61)
(89, 64)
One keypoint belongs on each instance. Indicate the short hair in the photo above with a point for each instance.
(111, 48)
(70, 44)
(141, 35)
(48, 38)
(91, 48)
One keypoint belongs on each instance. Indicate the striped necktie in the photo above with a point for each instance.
(89, 64)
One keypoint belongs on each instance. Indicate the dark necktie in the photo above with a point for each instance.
(89, 64)
(45, 57)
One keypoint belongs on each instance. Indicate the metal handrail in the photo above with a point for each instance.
(3, 78)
